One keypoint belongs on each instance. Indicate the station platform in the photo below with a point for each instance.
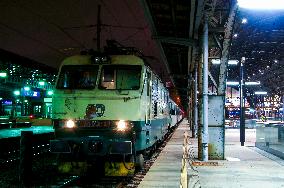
(16, 132)
(244, 166)
(166, 170)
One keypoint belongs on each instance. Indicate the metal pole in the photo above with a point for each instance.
(205, 92)
(242, 106)
(191, 111)
(200, 124)
(195, 125)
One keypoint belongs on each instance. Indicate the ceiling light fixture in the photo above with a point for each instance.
(230, 62)
(260, 93)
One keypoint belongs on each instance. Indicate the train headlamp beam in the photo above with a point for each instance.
(121, 125)
(70, 124)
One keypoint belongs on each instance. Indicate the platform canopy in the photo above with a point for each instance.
(167, 32)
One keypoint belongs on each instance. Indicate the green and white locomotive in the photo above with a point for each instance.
(111, 107)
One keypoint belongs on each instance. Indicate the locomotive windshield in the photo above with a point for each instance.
(77, 77)
(120, 77)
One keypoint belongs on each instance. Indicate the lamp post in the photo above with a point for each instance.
(242, 103)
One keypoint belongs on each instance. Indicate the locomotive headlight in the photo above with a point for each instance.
(121, 125)
(70, 124)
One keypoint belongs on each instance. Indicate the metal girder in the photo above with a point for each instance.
(217, 41)
(198, 16)
(191, 50)
(225, 50)
(212, 78)
(173, 40)
(216, 30)
(174, 16)
(154, 32)
(192, 13)
(209, 8)
(182, 76)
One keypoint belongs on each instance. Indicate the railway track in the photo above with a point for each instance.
(45, 173)
(114, 182)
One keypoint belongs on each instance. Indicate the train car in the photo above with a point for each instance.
(108, 107)
(176, 114)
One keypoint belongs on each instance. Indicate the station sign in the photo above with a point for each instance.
(31, 93)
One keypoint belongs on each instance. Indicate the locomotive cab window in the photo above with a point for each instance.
(121, 77)
(77, 77)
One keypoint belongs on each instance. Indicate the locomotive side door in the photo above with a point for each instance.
(149, 97)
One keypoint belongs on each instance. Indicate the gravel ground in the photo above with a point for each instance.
(43, 172)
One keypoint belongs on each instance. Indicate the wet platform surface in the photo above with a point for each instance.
(15, 132)
(165, 172)
(244, 166)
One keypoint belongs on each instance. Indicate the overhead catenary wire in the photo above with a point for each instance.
(54, 24)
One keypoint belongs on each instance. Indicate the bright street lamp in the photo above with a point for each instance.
(262, 4)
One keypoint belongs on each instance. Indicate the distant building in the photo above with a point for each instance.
(25, 86)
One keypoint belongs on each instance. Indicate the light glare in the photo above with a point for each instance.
(230, 62)
(27, 88)
(232, 83)
(121, 125)
(41, 83)
(262, 4)
(50, 93)
(260, 93)
(70, 124)
(17, 93)
(3, 74)
(252, 83)
(244, 21)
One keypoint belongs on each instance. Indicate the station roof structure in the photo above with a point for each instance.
(169, 33)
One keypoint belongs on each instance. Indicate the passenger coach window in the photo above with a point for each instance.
(77, 77)
(120, 77)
